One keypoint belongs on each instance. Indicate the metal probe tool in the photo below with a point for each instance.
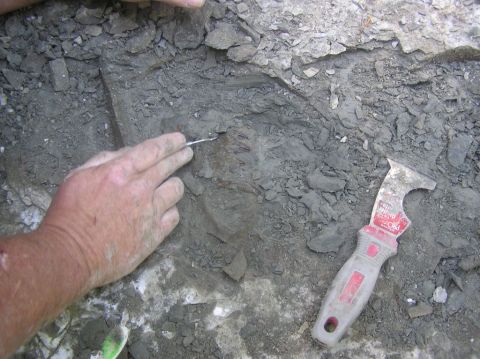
(203, 140)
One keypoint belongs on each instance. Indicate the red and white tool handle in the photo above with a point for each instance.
(352, 286)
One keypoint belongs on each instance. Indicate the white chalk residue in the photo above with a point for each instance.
(152, 277)
(31, 217)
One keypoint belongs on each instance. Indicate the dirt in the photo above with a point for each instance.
(272, 207)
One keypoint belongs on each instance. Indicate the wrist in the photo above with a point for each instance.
(67, 260)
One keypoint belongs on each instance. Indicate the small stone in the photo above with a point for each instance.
(193, 185)
(140, 42)
(330, 71)
(427, 145)
(458, 148)
(403, 123)
(311, 71)
(294, 192)
(33, 63)
(242, 7)
(270, 195)
(93, 30)
(318, 181)
(223, 37)
(78, 40)
(236, 269)
(60, 78)
(241, 53)
(93, 333)
(394, 44)
(328, 241)
(419, 310)
(3, 99)
(333, 101)
(336, 48)
(440, 295)
(343, 139)
(380, 68)
(456, 301)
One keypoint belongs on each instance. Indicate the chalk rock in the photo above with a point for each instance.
(440, 295)
(60, 78)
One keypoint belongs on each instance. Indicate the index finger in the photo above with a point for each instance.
(150, 152)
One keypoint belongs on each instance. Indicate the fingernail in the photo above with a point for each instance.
(194, 3)
(189, 153)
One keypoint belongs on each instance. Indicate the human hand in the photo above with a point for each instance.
(113, 211)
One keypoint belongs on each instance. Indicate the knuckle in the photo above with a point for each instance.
(117, 174)
(178, 186)
(175, 217)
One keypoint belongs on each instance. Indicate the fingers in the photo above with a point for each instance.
(167, 195)
(168, 222)
(151, 152)
(155, 175)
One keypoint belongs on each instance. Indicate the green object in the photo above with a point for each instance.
(114, 342)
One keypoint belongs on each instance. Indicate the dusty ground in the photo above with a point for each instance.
(313, 99)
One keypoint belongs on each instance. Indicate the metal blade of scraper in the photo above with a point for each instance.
(354, 283)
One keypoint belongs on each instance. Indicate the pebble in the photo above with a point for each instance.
(427, 145)
(456, 301)
(440, 295)
(86, 16)
(241, 53)
(330, 71)
(14, 78)
(318, 181)
(419, 310)
(343, 139)
(328, 241)
(60, 78)
(458, 147)
(365, 145)
(3, 99)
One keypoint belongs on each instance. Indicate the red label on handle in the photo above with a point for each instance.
(352, 287)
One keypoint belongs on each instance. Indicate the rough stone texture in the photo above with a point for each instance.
(236, 269)
(458, 148)
(223, 37)
(59, 72)
(142, 40)
(241, 53)
(318, 181)
(419, 310)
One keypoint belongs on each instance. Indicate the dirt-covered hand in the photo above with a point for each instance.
(119, 206)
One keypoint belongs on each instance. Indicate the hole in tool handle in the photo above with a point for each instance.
(331, 324)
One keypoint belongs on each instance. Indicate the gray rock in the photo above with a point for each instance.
(33, 63)
(468, 199)
(93, 333)
(419, 310)
(470, 262)
(14, 26)
(236, 269)
(14, 78)
(380, 68)
(338, 161)
(60, 78)
(294, 192)
(458, 148)
(142, 41)
(403, 123)
(93, 30)
(320, 210)
(241, 53)
(86, 16)
(440, 295)
(190, 32)
(193, 185)
(317, 180)
(242, 7)
(223, 37)
(456, 301)
(427, 288)
(139, 350)
(328, 241)
(13, 59)
(118, 24)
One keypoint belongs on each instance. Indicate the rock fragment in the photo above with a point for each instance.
(403, 123)
(328, 241)
(458, 147)
(223, 37)
(118, 24)
(440, 295)
(14, 78)
(60, 78)
(241, 53)
(317, 180)
(33, 63)
(143, 40)
(14, 26)
(311, 71)
(419, 310)
(93, 30)
(236, 269)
